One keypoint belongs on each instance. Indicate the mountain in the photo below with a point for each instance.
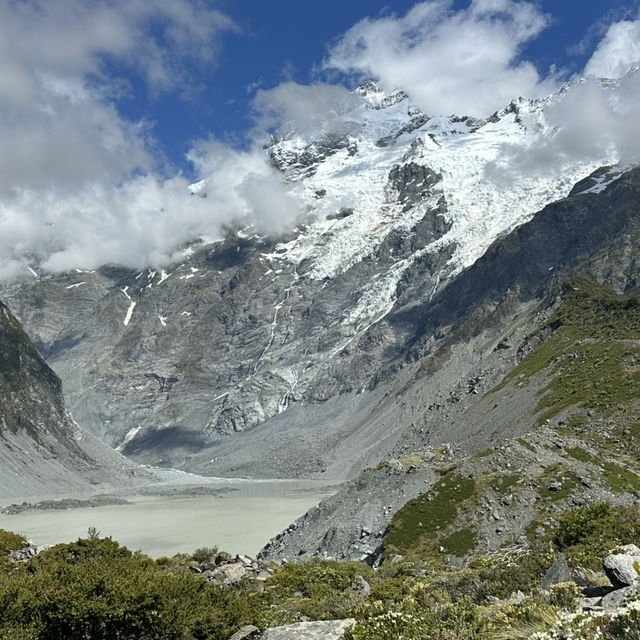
(42, 450)
(280, 356)
(548, 423)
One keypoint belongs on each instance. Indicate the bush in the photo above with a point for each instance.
(564, 595)
(587, 534)
(94, 588)
(10, 541)
(204, 554)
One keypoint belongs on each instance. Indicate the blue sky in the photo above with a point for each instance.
(109, 108)
(280, 40)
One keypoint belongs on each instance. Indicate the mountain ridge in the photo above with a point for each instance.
(168, 364)
(42, 450)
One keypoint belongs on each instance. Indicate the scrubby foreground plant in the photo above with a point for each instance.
(96, 589)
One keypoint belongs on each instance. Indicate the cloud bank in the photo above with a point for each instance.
(594, 120)
(81, 185)
(464, 62)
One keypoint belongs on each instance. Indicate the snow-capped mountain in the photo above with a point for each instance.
(379, 169)
(256, 334)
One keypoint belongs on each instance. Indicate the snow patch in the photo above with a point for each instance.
(132, 306)
(127, 318)
(131, 434)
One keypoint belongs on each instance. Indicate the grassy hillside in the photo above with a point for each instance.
(95, 588)
(591, 354)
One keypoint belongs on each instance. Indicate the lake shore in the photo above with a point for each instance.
(166, 518)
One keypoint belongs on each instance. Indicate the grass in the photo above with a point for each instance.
(568, 479)
(502, 483)
(620, 479)
(581, 454)
(430, 513)
(592, 354)
(526, 445)
(460, 542)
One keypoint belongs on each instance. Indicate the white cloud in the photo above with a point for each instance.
(592, 122)
(463, 62)
(310, 107)
(618, 51)
(143, 221)
(58, 126)
(78, 181)
(242, 184)
(72, 37)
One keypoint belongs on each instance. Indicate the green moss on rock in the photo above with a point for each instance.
(429, 513)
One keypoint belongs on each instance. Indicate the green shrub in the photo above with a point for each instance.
(318, 589)
(96, 589)
(460, 542)
(204, 554)
(564, 595)
(579, 524)
(587, 534)
(10, 541)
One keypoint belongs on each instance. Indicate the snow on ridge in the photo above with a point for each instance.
(132, 306)
(479, 209)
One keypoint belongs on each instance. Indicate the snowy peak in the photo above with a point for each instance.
(376, 98)
(350, 169)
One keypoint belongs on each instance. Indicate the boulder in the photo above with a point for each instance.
(22, 555)
(623, 568)
(227, 574)
(322, 630)
(617, 598)
(558, 572)
(248, 632)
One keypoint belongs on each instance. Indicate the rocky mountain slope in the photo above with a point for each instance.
(42, 450)
(562, 430)
(224, 363)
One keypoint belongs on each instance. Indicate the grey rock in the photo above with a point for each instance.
(555, 485)
(248, 632)
(24, 554)
(227, 574)
(623, 568)
(557, 573)
(618, 597)
(324, 630)
(362, 587)
(517, 597)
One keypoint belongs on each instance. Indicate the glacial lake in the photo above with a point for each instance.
(241, 518)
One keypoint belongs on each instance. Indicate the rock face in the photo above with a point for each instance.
(223, 363)
(322, 630)
(623, 568)
(42, 450)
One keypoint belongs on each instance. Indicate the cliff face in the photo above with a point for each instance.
(224, 362)
(42, 450)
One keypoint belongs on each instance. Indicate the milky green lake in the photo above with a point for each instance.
(238, 521)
